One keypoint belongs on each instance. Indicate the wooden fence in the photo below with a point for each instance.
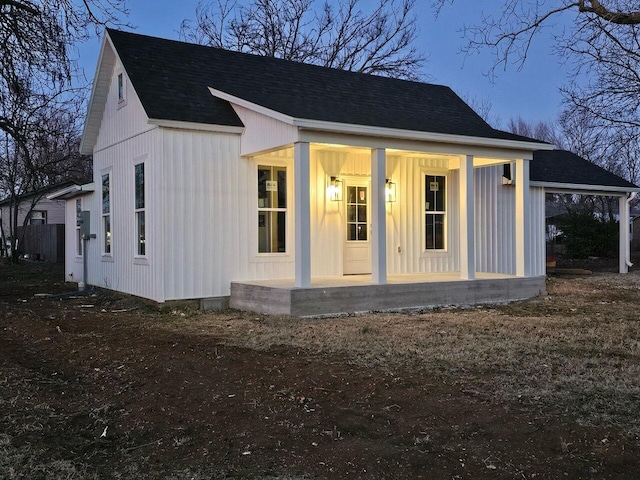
(43, 242)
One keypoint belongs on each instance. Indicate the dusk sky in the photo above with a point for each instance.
(531, 93)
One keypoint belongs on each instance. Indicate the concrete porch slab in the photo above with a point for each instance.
(350, 294)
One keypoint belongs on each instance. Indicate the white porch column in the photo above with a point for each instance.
(378, 216)
(302, 214)
(467, 220)
(623, 208)
(523, 233)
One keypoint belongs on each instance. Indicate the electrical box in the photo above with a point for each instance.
(84, 220)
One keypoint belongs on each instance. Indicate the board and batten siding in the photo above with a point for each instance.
(73, 261)
(406, 252)
(537, 229)
(495, 218)
(123, 269)
(405, 223)
(263, 133)
(121, 121)
(125, 139)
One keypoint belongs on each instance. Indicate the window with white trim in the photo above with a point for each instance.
(78, 231)
(435, 210)
(38, 217)
(122, 88)
(272, 209)
(141, 239)
(106, 213)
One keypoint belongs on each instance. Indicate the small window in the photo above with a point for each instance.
(272, 209)
(38, 217)
(106, 213)
(121, 88)
(78, 231)
(141, 238)
(435, 212)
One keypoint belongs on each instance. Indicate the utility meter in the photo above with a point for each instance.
(84, 220)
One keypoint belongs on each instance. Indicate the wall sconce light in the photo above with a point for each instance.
(334, 189)
(390, 190)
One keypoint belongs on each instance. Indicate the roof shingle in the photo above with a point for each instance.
(562, 166)
(172, 79)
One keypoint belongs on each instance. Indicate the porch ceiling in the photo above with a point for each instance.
(453, 161)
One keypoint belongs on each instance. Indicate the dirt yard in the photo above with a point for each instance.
(107, 386)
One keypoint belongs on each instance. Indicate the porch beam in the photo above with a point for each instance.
(522, 224)
(302, 214)
(378, 216)
(467, 220)
(624, 233)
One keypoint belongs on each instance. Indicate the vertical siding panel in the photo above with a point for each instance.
(537, 230)
(120, 123)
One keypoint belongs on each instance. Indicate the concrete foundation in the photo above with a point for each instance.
(214, 303)
(277, 297)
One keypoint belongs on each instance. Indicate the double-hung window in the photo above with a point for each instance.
(141, 238)
(106, 213)
(272, 209)
(435, 209)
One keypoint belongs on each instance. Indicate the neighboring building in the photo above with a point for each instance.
(291, 188)
(41, 236)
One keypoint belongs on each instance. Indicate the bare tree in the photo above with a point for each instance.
(38, 98)
(40, 159)
(380, 41)
(545, 131)
(602, 42)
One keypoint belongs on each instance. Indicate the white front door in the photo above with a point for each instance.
(357, 248)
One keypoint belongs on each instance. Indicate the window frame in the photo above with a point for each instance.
(279, 165)
(444, 213)
(106, 252)
(44, 217)
(140, 211)
(121, 88)
(79, 251)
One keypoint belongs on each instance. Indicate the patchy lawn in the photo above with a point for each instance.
(107, 386)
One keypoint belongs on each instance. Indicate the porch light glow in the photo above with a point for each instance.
(390, 190)
(334, 189)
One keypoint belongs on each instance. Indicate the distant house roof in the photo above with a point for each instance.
(41, 192)
(172, 80)
(562, 167)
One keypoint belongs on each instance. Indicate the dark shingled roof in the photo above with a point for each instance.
(561, 166)
(171, 79)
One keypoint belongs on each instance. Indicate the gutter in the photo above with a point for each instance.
(71, 191)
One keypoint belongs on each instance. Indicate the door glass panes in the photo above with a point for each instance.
(357, 222)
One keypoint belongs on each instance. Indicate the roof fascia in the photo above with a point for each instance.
(252, 106)
(72, 191)
(420, 136)
(91, 107)
(320, 125)
(552, 187)
(207, 127)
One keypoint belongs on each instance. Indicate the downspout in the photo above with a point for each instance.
(629, 200)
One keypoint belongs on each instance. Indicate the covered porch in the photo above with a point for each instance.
(353, 219)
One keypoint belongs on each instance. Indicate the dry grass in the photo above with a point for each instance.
(575, 351)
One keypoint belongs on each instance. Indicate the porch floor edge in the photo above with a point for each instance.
(324, 300)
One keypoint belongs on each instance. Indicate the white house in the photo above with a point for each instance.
(39, 224)
(289, 188)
